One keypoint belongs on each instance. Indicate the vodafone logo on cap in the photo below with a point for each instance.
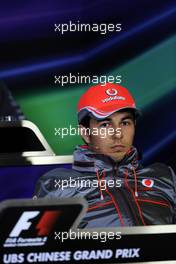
(148, 183)
(111, 92)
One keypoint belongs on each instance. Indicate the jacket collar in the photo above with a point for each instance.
(87, 160)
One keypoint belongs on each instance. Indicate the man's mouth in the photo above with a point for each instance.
(118, 147)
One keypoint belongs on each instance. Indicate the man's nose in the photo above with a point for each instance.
(118, 132)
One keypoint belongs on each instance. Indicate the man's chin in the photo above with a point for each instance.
(118, 156)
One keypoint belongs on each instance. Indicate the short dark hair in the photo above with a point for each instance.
(86, 121)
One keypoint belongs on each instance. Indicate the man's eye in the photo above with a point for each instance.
(104, 124)
(125, 123)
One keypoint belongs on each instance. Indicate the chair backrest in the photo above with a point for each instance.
(22, 138)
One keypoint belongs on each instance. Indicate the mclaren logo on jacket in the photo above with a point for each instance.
(148, 183)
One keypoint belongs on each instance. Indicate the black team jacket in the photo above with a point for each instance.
(118, 193)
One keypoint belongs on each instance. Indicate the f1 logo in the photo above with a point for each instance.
(23, 223)
(43, 227)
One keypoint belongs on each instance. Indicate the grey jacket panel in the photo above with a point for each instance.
(118, 194)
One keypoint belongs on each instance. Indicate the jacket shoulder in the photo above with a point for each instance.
(163, 172)
(49, 182)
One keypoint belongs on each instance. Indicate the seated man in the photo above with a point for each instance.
(119, 191)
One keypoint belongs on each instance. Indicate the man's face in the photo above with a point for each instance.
(113, 136)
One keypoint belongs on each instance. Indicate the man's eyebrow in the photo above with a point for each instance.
(127, 117)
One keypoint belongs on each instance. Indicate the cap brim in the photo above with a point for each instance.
(100, 115)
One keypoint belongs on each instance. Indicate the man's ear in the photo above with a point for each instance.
(84, 133)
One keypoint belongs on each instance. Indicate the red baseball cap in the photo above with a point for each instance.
(102, 101)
